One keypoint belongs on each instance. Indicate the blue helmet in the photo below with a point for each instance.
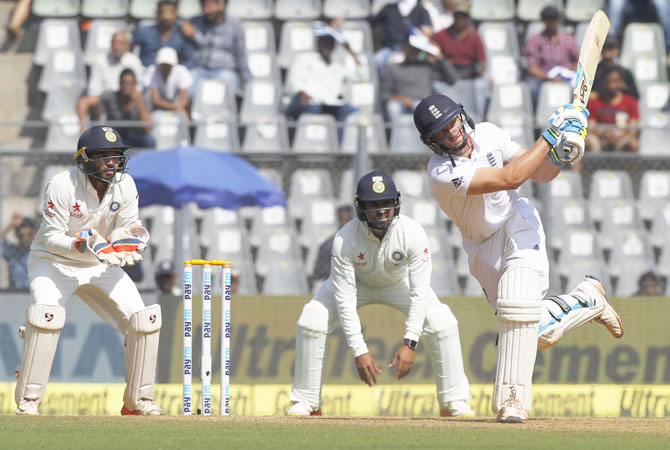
(372, 187)
(95, 139)
(432, 114)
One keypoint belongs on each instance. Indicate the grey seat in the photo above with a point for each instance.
(374, 133)
(655, 105)
(306, 185)
(426, 212)
(581, 267)
(99, 37)
(318, 221)
(55, 8)
(608, 185)
(268, 134)
(618, 215)
(643, 52)
(64, 68)
(230, 242)
(143, 9)
(296, 36)
(412, 183)
(61, 102)
(511, 108)
(499, 38)
(212, 97)
(404, 136)
(654, 141)
(297, 9)
(265, 220)
(285, 277)
(250, 9)
(654, 192)
(582, 10)
(259, 36)
(465, 92)
(347, 187)
(630, 258)
(502, 69)
(63, 134)
(215, 218)
(362, 95)
(315, 133)
(492, 10)
(187, 9)
(528, 10)
(263, 65)
(278, 244)
(552, 95)
(660, 226)
(578, 244)
(261, 98)
(218, 133)
(169, 129)
(568, 184)
(567, 213)
(55, 34)
(350, 9)
(104, 9)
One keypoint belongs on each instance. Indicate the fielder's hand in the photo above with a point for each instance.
(405, 359)
(367, 369)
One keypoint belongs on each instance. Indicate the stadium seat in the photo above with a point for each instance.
(170, 129)
(227, 241)
(567, 185)
(61, 102)
(265, 220)
(99, 37)
(426, 212)
(315, 133)
(511, 108)
(502, 69)
(318, 222)
(104, 9)
(374, 134)
(482, 10)
(580, 267)
(443, 279)
(307, 185)
(499, 38)
(663, 266)
(273, 175)
(465, 92)
(296, 36)
(347, 187)
(660, 226)
(212, 97)
(377, 5)
(643, 52)
(654, 192)
(412, 183)
(552, 95)
(64, 68)
(263, 65)
(143, 9)
(187, 9)
(63, 134)
(214, 218)
(579, 244)
(358, 35)
(655, 105)
(404, 136)
(277, 244)
(268, 134)
(654, 141)
(566, 213)
(250, 9)
(259, 36)
(582, 10)
(630, 258)
(618, 215)
(55, 8)
(56, 34)
(217, 133)
(297, 9)
(608, 185)
(285, 277)
(529, 10)
(261, 98)
(362, 95)
(349, 9)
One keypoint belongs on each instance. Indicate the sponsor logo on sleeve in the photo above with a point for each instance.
(360, 260)
(48, 211)
(76, 211)
(457, 182)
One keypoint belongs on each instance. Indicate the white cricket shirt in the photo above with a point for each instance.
(71, 205)
(476, 216)
(359, 257)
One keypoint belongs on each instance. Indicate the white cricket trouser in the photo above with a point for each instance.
(519, 243)
(109, 291)
(319, 318)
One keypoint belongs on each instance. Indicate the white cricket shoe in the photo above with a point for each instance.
(301, 409)
(144, 407)
(609, 317)
(457, 408)
(27, 408)
(512, 412)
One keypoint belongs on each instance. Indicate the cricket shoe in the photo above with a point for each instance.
(27, 408)
(144, 407)
(302, 409)
(512, 412)
(457, 408)
(609, 316)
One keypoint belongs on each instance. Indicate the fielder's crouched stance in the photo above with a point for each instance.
(90, 228)
(379, 257)
(473, 176)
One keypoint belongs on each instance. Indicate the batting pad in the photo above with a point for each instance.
(43, 326)
(518, 307)
(141, 354)
(310, 351)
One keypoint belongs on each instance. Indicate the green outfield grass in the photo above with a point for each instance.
(98, 432)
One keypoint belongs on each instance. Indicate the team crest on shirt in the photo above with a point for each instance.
(457, 182)
(397, 256)
(491, 159)
(114, 206)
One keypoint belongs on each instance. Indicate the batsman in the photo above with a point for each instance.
(90, 229)
(379, 257)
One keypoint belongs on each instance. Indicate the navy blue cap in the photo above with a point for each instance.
(434, 112)
(376, 185)
(100, 137)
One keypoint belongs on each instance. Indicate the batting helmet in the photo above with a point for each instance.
(375, 186)
(95, 139)
(432, 114)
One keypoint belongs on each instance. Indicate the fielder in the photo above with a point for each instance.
(90, 228)
(473, 176)
(379, 257)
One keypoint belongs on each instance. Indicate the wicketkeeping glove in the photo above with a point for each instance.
(98, 245)
(129, 243)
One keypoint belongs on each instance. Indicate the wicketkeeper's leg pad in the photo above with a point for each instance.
(310, 350)
(141, 354)
(518, 307)
(43, 326)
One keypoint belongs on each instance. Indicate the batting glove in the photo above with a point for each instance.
(561, 117)
(571, 143)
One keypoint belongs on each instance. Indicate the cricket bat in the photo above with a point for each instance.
(589, 56)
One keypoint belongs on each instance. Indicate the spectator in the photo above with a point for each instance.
(19, 16)
(316, 83)
(619, 9)
(221, 53)
(126, 103)
(405, 84)
(649, 285)
(550, 55)
(16, 253)
(105, 75)
(322, 264)
(169, 82)
(166, 32)
(610, 58)
(463, 47)
(165, 278)
(441, 13)
(619, 113)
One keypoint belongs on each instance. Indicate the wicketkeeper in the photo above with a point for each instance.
(90, 228)
(380, 257)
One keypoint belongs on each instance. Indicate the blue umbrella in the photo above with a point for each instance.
(189, 174)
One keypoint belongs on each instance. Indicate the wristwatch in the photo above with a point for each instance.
(410, 343)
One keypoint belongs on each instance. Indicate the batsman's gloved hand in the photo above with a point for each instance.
(129, 243)
(567, 150)
(98, 245)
